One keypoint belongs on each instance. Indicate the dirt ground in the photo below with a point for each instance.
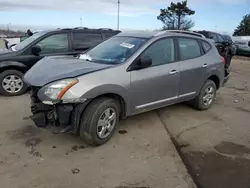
(215, 144)
(140, 155)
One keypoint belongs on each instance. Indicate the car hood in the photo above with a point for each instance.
(4, 51)
(50, 69)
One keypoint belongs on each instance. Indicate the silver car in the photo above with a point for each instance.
(125, 75)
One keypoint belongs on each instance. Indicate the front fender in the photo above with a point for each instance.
(10, 64)
(109, 89)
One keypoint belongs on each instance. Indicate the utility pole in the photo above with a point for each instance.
(118, 18)
(80, 22)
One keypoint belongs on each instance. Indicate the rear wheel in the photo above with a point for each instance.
(11, 83)
(99, 121)
(206, 96)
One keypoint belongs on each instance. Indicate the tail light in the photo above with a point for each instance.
(223, 60)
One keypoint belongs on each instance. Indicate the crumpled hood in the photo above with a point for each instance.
(50, 69)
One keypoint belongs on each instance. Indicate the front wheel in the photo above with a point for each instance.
(99, 121)
(11, 83)
(206, 96)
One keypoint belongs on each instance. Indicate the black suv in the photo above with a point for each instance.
(14, 62)
(232, 46)
(223, 47)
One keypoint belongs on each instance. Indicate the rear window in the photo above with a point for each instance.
(83, 41)
(206, 46)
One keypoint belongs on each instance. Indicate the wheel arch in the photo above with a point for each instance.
(9, 65)
(79, 109)
(215, 79)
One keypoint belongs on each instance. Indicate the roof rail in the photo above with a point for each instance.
(181, 31)
(80, 28)
(65, 29)
(107, 29)
(187, 32)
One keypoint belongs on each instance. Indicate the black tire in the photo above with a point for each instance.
(198, 102)
(90, 117)
(16, 73)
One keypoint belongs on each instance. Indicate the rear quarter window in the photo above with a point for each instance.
(206, 46)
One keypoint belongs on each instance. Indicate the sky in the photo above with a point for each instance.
(214, 15)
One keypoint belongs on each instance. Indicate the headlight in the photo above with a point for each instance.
(57, 90)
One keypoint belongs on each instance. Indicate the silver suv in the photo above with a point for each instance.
(125, 75)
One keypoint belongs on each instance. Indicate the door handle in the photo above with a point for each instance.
(205, 65)
(173, 72)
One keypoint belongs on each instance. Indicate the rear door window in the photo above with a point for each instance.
(57, 43)
(84, 41)
(214, 37)
(220, 38)
(189, 48)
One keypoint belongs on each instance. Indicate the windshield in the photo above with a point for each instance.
(29, 40)
(115, 50)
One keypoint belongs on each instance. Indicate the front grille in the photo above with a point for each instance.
(36, 104)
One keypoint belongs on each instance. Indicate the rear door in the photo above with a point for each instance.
(82, 41)
(192, 67)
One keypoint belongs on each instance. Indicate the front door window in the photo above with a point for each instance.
(57, 43)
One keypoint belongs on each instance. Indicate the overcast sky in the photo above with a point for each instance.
(220, 15)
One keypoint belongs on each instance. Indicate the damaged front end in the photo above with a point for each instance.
(61, 117)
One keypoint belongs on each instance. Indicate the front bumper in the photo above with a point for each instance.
(58, 115)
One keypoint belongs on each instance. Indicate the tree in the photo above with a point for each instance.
(244, 28)
(175, 16)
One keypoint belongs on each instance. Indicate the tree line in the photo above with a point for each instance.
(177, 17)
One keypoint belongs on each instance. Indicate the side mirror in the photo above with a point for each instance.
(36, 50)
(141, 63)
(145, 62)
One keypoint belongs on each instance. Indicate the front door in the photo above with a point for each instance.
(53, 45)
(156, 86)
